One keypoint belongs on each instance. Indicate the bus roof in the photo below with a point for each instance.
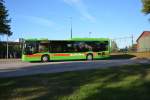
(73, 39)
(90, 39)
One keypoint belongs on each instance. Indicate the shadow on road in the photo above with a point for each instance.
(121, 56)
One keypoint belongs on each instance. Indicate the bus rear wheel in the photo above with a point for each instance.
(45, 58)
(89, 57)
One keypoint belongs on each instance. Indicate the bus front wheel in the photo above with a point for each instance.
(89, 57)
(45, 58)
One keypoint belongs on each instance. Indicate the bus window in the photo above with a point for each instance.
(30, 48)
(104, 46)
(56, 46)
(97, 46)
(43, 47)
(80, 46)
(68, 46)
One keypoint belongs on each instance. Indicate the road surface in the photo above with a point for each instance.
(13, 68)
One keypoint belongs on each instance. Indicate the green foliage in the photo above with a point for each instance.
(146, 6)
(4, 20)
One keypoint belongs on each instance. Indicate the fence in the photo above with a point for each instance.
(141, 54)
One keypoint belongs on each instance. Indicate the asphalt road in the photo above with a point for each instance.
(13, 68)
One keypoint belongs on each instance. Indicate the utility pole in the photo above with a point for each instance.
(132, 40)
(132, 43)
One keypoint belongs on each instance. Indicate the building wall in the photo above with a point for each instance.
(144, 44)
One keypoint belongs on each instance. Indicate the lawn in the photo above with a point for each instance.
(117, 83)
(130, 55)
(142, 54)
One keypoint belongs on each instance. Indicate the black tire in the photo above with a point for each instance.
(45, 58)
(89, 57)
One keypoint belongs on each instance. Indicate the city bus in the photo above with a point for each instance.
(72, 49)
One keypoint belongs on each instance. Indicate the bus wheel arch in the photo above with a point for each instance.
(89, 56)
(45, 58)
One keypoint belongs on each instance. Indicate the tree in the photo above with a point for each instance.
(146, 6)
(4, 20)
(114, 47)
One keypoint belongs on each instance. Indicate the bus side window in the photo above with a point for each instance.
(43, 47)
(80, 46)
(56, 47)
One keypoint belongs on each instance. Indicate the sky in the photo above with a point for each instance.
(52, 18)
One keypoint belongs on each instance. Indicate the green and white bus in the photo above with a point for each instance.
(77, 48)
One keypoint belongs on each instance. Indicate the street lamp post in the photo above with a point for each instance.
(90, 34)
(71, 27)
(7, 47)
